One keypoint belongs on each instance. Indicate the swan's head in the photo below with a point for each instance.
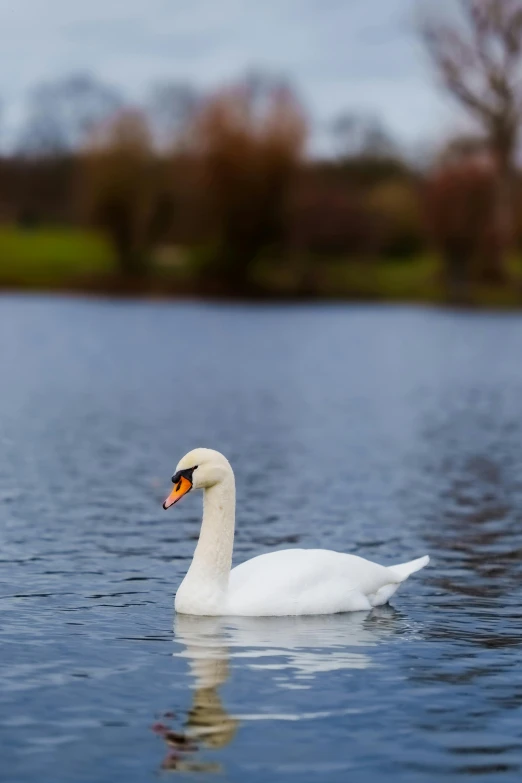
(199, 469)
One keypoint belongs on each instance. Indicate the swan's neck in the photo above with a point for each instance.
(216, 539)
(207, 577)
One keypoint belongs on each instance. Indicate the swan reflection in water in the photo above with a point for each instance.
(295, 649)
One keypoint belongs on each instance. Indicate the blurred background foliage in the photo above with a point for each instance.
(216, 193)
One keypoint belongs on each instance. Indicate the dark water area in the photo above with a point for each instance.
(386, 432)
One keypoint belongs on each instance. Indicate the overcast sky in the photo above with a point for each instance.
(340, 54)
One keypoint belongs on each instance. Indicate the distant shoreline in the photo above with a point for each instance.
(72, 261)
(123, 293)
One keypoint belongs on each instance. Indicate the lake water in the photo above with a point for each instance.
(387, 432)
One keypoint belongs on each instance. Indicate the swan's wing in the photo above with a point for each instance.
(305, 581)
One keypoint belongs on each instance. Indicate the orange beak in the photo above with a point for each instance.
(183, 486)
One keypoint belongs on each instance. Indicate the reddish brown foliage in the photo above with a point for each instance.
(249, 154)
(461, 211)
(121, 188)
(328, 219)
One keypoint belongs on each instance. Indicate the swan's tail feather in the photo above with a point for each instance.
(400, 573)
(404, 570)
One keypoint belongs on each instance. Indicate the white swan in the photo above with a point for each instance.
(287, 582)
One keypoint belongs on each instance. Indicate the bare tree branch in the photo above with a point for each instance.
(477, 55)
(479, 62)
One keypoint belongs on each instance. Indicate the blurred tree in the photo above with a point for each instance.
(366, 155)
(62, 114)
(362, 136)
(461, 210)
(249, 140)
(464, 146)
(171, 107)
(122, 190)
(479, 60)
(328, 219)
(395, 207)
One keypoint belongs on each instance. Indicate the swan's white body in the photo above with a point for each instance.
(287, 582)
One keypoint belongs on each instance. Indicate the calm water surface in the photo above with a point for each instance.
(386, 432)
